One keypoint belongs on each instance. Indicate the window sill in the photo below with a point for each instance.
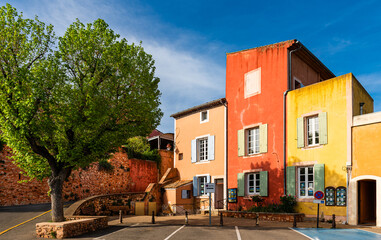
(313, 147)
(203, 162)
(253, 155)
(203, 196)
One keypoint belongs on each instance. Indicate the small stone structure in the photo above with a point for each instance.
(76, 225)
(264, 216)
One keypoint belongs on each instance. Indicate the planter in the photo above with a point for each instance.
(265, 216)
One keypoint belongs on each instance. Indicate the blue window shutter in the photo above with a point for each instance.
(195, 184)
(194, 151)
(263, 179)
(211, 148)
(208, 179)
(241, 184)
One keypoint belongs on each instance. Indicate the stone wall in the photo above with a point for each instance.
(75, 226)
(279, 217)
(166, 161)
(128, 175)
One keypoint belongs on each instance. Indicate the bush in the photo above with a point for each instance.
(105, 166)
(138, 147)
(287, 205)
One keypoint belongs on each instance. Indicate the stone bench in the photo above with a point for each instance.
(74, 226)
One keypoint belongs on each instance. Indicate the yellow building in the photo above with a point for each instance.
(319, 136)
(200, 154)
(365, 184)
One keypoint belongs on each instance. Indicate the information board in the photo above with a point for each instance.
(210, 187)
(232, 195)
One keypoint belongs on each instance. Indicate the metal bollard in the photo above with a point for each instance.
(120, 216)
(257, 219)
(153, 217)
(221, 220)
(186, 217)
(294, 224)
(333, 221)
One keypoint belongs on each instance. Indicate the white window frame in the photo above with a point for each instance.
(204, 147)
(207, 116)
(199, 184)
(253, 182)
(306, 187)
(313, 128)
(252, 142)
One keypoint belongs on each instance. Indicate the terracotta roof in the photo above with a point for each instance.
(178, 184)
(201, 107)
(154, 133)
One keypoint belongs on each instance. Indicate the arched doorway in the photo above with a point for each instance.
(366, 201)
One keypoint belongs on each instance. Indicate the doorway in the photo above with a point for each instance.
(367, 202)
(219, 194)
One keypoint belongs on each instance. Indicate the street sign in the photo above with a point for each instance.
(319, 201)
(319, 195)
(210, 187)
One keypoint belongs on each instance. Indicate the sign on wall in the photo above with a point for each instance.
(232, 195)
(210, 187)
(341, 196)
(330, 196)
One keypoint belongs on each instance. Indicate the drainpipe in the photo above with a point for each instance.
(226, 153)
(289, 85)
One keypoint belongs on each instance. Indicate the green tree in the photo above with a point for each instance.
(66, 105)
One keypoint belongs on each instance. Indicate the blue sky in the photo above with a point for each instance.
(189, 39)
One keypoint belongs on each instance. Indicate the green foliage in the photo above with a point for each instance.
(138, 148)
(257, 199)
(66, 104)
(53, 234)
(287, 205)
(105, 166)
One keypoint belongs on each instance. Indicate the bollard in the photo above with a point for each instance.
(257, 219)
(221, 220)
(120, 216)
(333, 221)
(294, 224)
(186, 217)
(153, 217)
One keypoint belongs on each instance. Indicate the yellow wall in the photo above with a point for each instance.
(188, 128)
(328, 96)
(367, 150)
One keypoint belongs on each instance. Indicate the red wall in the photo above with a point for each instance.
(129, 175)
(264, 108)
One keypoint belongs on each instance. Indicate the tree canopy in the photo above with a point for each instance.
(69, 101)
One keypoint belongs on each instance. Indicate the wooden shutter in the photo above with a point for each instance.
(241, 142)
(323, 131)
(195, 186)
(290, 174)
(263, 138)
(194, 151)
(211, 148)
(241, 184)
(263, 179)
(319, 177)
(300, 132)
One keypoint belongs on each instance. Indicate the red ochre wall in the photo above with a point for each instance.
(264, 108)
(129, 175)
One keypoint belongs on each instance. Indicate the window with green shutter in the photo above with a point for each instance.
(241, 142)
(290, 174)
(241, 184)
(263, 138)
(263, 183)
(319, 176)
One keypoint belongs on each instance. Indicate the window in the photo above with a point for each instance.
(253, 83)
(185, 194)
(253, 183)
(204, 116)
(312, 130)
(181, 156)
(201, 185)
(306, 181)
(252, 141)
(202, 145)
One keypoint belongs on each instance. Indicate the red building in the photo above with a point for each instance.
(256, 82)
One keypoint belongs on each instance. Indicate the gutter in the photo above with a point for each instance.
(289, 84)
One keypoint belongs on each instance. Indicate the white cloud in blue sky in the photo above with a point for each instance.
(189, 39)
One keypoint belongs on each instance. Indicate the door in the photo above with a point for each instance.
(219, 194)
(367, 202)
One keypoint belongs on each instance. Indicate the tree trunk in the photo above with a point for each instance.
(56, 186)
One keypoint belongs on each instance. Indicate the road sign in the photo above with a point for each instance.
(319, 195)
(210, 187)
(319, 201)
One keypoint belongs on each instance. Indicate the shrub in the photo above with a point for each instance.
(138, 147)
(288, 203)
(104, 165)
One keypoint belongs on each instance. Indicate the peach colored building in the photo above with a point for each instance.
(200, 153)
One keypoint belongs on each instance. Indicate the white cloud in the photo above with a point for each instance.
(188, 78)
